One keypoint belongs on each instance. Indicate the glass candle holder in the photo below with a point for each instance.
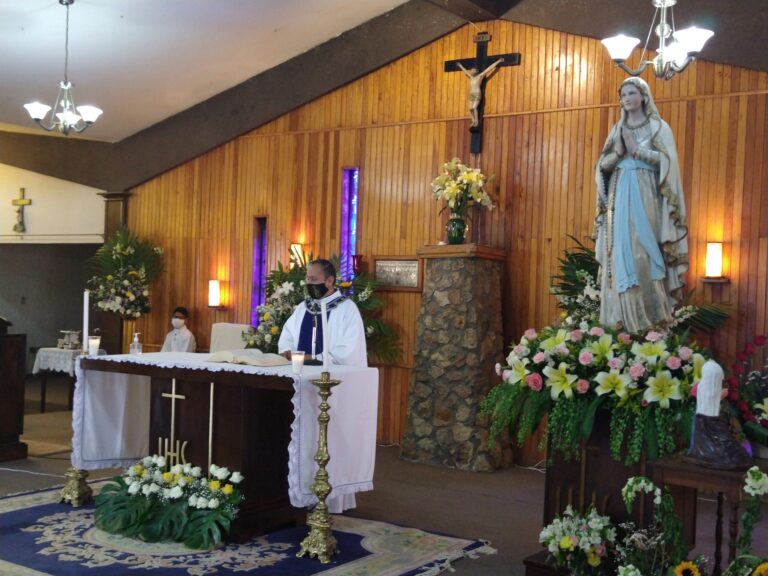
(297, 361)
(93, 345)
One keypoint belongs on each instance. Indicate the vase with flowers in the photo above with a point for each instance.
(461, 187)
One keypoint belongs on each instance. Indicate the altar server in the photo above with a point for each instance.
(180, 339)
(345, 330)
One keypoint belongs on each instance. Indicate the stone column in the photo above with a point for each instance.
(458, 342)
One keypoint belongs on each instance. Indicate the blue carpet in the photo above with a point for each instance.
(39, 536)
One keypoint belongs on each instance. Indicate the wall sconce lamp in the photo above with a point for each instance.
(296, 256)
(214, 294)
(713, 269)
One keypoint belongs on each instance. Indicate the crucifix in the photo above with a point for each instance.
(173, 450)
(478, 69)
(21, 201)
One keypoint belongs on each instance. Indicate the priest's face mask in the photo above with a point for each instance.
(318, 284)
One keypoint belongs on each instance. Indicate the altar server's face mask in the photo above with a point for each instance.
(177, 322)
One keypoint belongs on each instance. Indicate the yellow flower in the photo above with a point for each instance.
(593, 559)
(763, 406)
(167, 477)
(651, 351)
(662, 388)
(612, 381)
(145, 474)
(109, 276)
(274, 330)
(519, 371)
(214, 485)
(603, 347)
(345, 284)
(265, 317)
(137, 469)
(554, 340)
(566, 543)
(686, 568)
(559, 380)
(227, 489)
(761, 570)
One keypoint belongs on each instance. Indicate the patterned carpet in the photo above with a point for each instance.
(38, 536)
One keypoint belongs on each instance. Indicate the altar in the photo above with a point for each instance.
(258, 420)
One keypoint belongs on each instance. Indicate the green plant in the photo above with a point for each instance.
(156, 503)
(125, 266)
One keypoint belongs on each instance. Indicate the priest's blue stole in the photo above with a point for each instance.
(305, 334)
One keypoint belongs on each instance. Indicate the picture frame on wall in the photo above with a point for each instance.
(401, 273)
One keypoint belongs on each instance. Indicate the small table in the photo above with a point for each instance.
(55, 360)
(673, 471)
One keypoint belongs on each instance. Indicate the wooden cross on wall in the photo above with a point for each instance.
(20, 202)
(477, 70)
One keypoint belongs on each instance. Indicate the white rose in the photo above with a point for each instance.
(213, 469)
(192, 501)
(175, 493)
(213, 503)
(154, 488)
(222, 473)
(187, 468)
(147, 460)
(161, 461)
(176, 468)
(236, 478)
(202, 503)
(145, 489)
(195, 472)
(134, 488)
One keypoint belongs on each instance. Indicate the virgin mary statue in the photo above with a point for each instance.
(640, 228)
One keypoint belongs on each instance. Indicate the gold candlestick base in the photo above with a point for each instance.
(76, 491)
(320, 542)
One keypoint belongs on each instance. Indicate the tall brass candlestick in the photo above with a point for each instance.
(320, 542)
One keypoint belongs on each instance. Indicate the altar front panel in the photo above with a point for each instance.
(265, 420)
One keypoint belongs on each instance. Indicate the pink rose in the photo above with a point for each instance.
(596, 331)
(576, 336)
(561, 350)
(695, 390)
(685, 353)
(585, 358)
(539, 357)
(506, 375)
(615, 363)
(625, 338)
(636, 371)
(673, 362)
(520, 351)
(582, 386)
(653, 336)
(534, 381)
(530, 334)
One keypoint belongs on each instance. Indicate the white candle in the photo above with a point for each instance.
(85, 321)
(326, 344)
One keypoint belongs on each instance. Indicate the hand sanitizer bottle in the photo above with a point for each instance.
(135, 345)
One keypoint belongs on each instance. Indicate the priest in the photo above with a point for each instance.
(345, 331)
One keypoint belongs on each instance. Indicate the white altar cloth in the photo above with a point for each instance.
(111, 421)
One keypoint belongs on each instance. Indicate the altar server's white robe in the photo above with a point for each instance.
(181, 340)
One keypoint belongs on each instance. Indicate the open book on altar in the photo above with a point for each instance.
(251, 356)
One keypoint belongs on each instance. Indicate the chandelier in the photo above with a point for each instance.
(672, 56)
(65, 116)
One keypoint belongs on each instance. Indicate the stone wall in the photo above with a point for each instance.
(458, 343)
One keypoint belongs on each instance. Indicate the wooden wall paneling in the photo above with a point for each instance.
(545, 125)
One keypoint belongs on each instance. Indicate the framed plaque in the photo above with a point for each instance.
(397, 273)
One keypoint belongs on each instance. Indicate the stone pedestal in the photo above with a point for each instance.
(458, 342)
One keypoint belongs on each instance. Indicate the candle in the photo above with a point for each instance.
(93, 345)
(85, 321)
(297, 361)
(326, 344)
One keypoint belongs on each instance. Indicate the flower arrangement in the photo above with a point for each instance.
(746, 563)
(654, 550)
(286, 289)
(125, 266)
(643, 379)
(748, 390)
(461, 187)
(155, 502)
(579, 543)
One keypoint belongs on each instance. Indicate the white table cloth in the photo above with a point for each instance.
(111, 422)
(56, 360)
